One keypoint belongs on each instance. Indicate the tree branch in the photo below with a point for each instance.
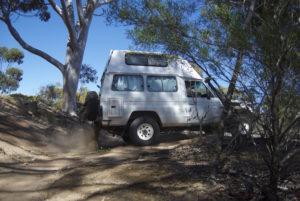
(250, 14)
(56, 8)
(88, 12)
(103, 2)
(290, 126)
(29, 48)
(90, 7)
(289, 156)
(80, 13)
(69, 24)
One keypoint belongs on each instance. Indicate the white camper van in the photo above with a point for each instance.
(142, 93)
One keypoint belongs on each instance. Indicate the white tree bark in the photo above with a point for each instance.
(70, 79)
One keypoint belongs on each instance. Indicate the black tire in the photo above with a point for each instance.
(125, 136)
(144, 131)
(240, 124)
(208, 129)
(91, 105)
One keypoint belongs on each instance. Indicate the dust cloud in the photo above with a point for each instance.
(74, 139)
(82, 138)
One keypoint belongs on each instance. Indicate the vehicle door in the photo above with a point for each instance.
(202, 103)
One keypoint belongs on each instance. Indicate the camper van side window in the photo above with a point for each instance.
(161, 84)
(157, 60)
(136, 59)
(128, 83)
(145, 60)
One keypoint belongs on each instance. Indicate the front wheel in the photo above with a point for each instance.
(245, 125)
(144, 131)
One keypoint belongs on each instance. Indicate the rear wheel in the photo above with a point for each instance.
(125, 136)
(144, 131)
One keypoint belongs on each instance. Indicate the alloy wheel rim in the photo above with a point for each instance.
(145, 131)
(244, 128)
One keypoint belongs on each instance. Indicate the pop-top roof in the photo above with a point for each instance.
(176, 65)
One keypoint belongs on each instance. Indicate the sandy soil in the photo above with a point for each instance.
(48, 156)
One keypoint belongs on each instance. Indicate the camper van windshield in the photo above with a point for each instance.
(145, 60)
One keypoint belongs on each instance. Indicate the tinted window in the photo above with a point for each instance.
(157, 60)
(194, 88)
(161, 84)
(145, 60)
(136, 59)
(127, 83)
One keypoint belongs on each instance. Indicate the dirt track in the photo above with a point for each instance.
(123, 173)
(59, 161)
(48, 156)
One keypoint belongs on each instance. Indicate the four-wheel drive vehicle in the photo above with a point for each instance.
(142, 93)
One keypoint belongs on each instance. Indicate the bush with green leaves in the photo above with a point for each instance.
(52, 95)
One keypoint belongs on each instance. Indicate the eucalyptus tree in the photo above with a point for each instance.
(273, 71)
(10, 76)
(76, 16)
(212, 34)
(250, 44)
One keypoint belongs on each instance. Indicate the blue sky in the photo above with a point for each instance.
(51, 37)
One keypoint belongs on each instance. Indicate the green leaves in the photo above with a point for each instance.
(155, 22)
(223, 13)
(13, 55)
(51, 93)
(9, 80)
(87, 74)
(14, 74)
(36, 7)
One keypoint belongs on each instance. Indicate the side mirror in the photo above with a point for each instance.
(207, 79)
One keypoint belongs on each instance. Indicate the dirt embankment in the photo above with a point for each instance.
(33, 129)
(45, 155)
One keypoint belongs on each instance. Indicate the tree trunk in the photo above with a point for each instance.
(274, 177)
(225, 115)
(234, 78)
(78, 33)
(70, 80)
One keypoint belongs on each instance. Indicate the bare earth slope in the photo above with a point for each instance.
(48, 156)
(45, 155)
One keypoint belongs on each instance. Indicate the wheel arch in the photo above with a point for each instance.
(137, 114)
